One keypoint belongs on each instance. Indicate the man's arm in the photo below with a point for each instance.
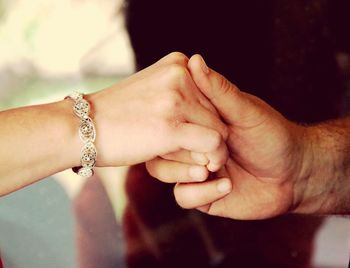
(327, 188)
(275, 166)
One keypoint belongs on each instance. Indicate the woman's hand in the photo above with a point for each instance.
(158, 112)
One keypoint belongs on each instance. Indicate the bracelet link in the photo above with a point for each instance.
(81, 108)
(87, 130)
(87, 133)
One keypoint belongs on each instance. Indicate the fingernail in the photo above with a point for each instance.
(224, 186)
(200, 158)
(213, 167)
(204, 66)
(197, 173)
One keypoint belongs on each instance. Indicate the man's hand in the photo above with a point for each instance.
(266, 165)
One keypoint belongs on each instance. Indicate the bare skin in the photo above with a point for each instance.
(275, 166)
(156, 112)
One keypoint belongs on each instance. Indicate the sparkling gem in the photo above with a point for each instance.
(85, 172)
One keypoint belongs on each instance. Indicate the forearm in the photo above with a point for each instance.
(327, 190)
(36, 142)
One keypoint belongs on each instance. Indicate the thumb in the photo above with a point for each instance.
(229, 101)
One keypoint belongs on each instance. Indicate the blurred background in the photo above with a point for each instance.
(49, 48)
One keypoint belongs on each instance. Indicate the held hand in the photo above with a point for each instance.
(158, 112)
(265, 165)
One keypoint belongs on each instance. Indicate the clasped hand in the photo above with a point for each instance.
(186, 121)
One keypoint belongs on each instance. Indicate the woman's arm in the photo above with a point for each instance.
(156, 112)
(36, 142)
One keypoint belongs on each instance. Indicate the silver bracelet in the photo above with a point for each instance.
(87, 134)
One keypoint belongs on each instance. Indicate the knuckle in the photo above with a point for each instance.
(225, 85)
(225, 133)
(177, 73)
(166, 130)
(173, 79)
(150, 166)
(169, 103)
(221, 161)
(215, 141)
(225, 154)
(178, 58)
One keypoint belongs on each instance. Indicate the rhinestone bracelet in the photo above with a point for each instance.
(87, 134)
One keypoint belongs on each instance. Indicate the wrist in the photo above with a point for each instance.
(303, 169)
(318, 184)
(87, 134)
(97, 108)
(68, 126)
(106, 108)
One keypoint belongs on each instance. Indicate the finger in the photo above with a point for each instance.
(192, 92)
(204, 208)
(216, 208)
(176, 58)
(225, 96)
(217, 158)
(199, 158)
(196, 195)
(198, 114)
(187, 157)
(173, 58)
(202, 112)
(200, 139)
(172, 172)
(198, 110)
(196, 138)
(207, 104)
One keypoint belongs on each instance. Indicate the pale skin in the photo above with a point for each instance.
(274, 167)
(156, 112)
